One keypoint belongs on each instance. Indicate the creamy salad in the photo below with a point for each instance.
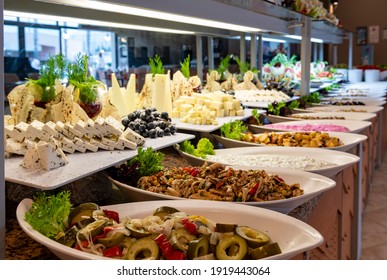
(267, 160)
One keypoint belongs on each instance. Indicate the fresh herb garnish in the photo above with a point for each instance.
(185, 67)
(282, 59)
(233, 130)
(203, 148)
(150, 161)
(156, 65)
(78, 76)
(282, 108)
(223, 66)
(49, 213)
(54, 69)
(256, 116)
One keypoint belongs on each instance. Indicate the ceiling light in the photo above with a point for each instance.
(122, 9)
(297, 37)
(96, 22)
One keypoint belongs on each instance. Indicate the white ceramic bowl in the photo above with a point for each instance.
(312, 184)
(340, 159)
(293, 236)
(350, 140)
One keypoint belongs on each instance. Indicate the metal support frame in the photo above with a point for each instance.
(305, 56)
(253, 51)
(315, 46)
(2, 180)
(199, 56)
(242, 48)
(210, 51)
(260, 56)
(358, 207)
(334, 54)
(350, 50)
(321, 51)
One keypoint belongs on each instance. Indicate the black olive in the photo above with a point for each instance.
(125, 122)
(165, 115)
(160, 133)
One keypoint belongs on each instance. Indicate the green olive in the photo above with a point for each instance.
(198, 248)
(137, 232)
(113, 240)
(82, 212)
(127, 242)
(225, 227)
(164, 212)
(92, 230)
(228, 242)
(144, 248)
(180, 238)
(253, 237)
(265, 251)
(70, 237)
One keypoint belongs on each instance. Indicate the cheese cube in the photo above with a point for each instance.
(84, 144)
(185, 107)
(82, 128)
(67, 145)
(228, 105)
(36, 128)
(216, 105)
(128, 144)
(237, 104)
(231, 113)
(23, 128)
(220, 113)
(113, 126)
(240, 113)
(14, 133)
(70, 130)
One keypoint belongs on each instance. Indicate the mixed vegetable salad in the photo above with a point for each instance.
(166, 234)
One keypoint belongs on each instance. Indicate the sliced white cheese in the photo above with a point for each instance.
(72, 131)
(49, 127)
(81, 127)
(100, 145)
(112, 126)
(23, 128)
(36, 128)
(11, 132)
(31, 159)
(127, 143)
(134, 136)
(161, 95)
(51, 157)
(14, 147)
(85, 144)
(67, 145)
(130, 94)
(117, 97)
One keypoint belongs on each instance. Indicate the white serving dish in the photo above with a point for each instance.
(350, 140)
(312, 184)
(293, 236)
(365, 101)
(353, 126)
(340, 159)
(211, 127)
(345, 108)
(347, 115)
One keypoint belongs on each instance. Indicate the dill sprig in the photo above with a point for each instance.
(78, 76)
(156, 65)
(185, 67)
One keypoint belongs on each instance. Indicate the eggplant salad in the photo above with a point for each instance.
(166, 234)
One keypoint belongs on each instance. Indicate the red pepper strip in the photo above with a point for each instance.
(112, 215)
(105, 231)
(84, 244)
(194, 172)
(164, 245)
(280, 179)
(177, 255)
(190, 226)
(254, 189)
(114, 251)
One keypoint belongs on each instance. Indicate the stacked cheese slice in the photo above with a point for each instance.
(103, 133)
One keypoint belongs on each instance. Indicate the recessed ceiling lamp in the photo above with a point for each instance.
(96, 22)
(123, 9)
(296, 37)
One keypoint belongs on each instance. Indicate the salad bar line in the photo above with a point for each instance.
(317, 169)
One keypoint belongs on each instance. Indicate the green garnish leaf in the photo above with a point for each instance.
(78, 76)
(150, 161)
(243, 66)
(203, 148)
(185, 67)
(54, 69)
(156, 65)
(256, 116)
(49, 213)
(223, 66)
(233, 130)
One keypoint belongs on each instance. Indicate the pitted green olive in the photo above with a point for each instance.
(198, 248)
(92, 230)
(164, 211)
(144, 248)
(225, 227)
(137, 232)
(254, 238)
(231, 247)
(112, 240)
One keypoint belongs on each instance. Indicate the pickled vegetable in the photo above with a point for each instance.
(198, 248)
(92, 230)
(253, 237)
(180, 238)
(225, 227)
(265, 251)
(228, 242)
(113, 240)
(164, 211)
(137, 232)
(142, 249)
